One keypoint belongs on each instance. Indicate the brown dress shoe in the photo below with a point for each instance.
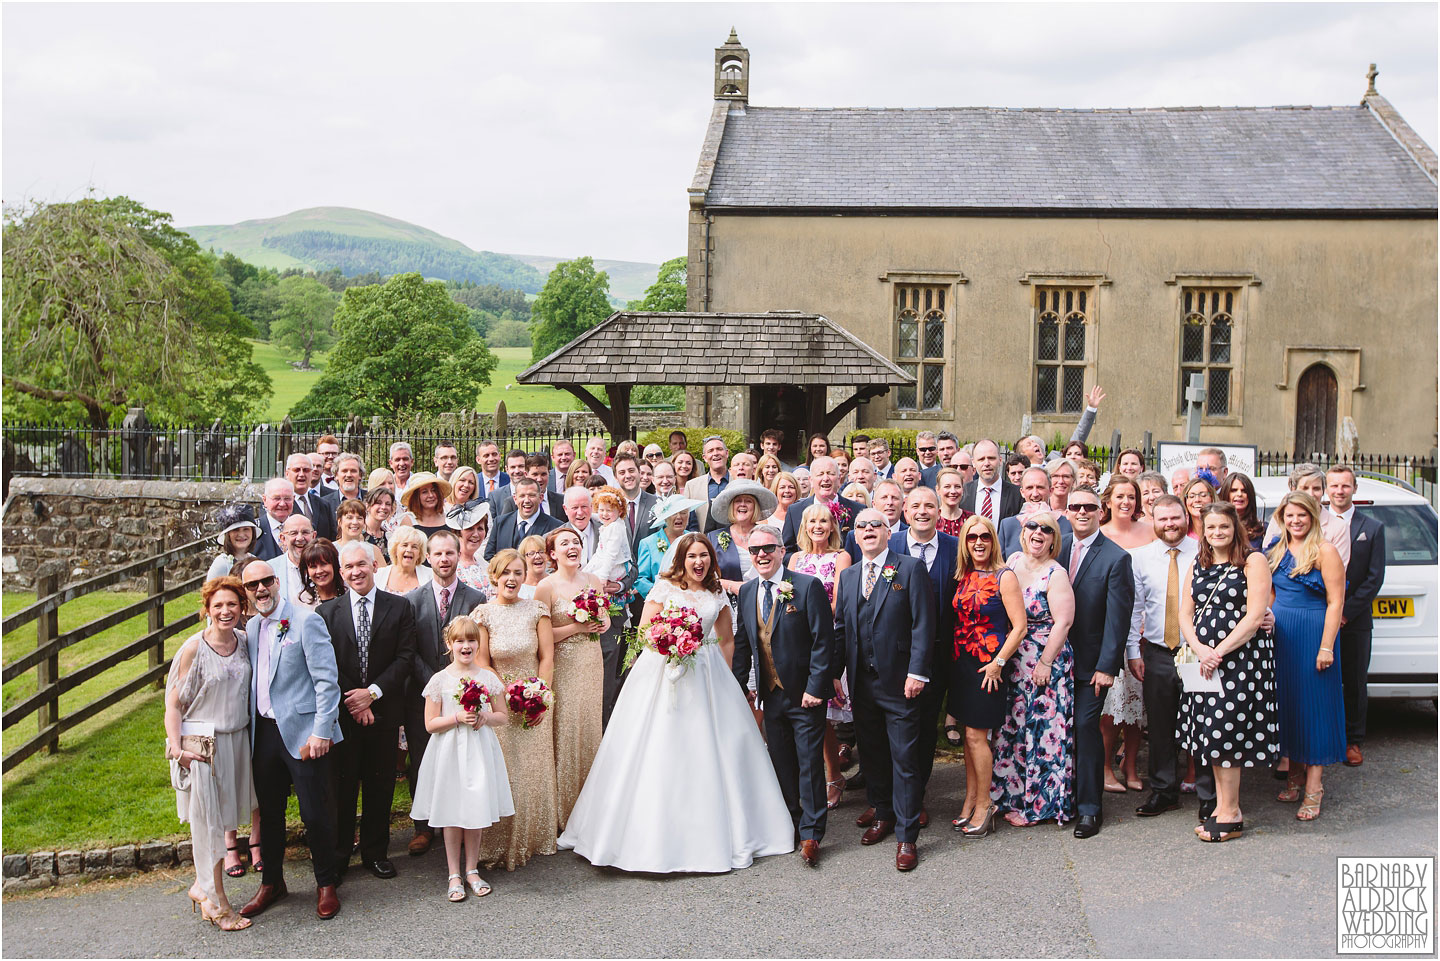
(905, 858)
(421, 842)
(866, 818)
(810, 852)
(266, 896)
(1353, 757)
(924, 818)
(878, 832)
(327, 902)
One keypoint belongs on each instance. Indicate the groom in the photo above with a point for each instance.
(786, 624)
(884, 610)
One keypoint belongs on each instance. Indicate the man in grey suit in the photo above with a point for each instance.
(639, 504)
(435, 605)
(294, 721)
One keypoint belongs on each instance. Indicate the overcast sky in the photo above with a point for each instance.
(574, 129)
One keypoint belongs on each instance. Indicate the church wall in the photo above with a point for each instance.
(1358, 295)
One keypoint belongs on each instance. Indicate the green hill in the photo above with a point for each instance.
(358, 241)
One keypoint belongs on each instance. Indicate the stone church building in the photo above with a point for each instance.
(1009, 259)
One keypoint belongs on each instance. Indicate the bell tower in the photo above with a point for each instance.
(732, 70)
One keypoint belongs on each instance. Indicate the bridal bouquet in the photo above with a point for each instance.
(676, 633)
(586, 606)
(472, 695)
(529, 698)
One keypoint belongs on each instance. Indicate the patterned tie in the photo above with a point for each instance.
(362, 630)
(987, 507)
(1172, 601)
(924, 554)
(444, 604)
(869, 577)
(769, 602)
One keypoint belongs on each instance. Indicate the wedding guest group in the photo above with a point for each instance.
(482, 622)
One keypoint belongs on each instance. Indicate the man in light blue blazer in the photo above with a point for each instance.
(294, 711)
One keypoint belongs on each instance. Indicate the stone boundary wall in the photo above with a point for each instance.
(46, 869)
(84, 527)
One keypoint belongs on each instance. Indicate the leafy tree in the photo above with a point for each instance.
(403, 347)
(575, 299)
(258, 300)
(106, 305)
(668, 291)
(509, 333)
(302, 322)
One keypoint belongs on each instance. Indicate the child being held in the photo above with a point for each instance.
(612, 554)
(463, 786)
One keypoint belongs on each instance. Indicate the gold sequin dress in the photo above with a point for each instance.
(579, 703)
(529, 755)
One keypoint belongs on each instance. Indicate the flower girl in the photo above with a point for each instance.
(613, 553)
(463, 786)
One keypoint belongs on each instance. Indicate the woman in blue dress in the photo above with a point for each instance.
(1309, 583)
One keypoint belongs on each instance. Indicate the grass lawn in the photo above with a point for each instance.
(290, 384)
(519, 397)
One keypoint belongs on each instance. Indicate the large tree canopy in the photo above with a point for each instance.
(106, 305)
(668, 291)
(402, 347)
(303, 318)
(575, 298)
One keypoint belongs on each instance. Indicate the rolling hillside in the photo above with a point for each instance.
(358, 241)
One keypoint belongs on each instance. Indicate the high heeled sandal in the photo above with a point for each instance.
(984, 827)
(960, 823)
(1294, 786)
(835, 793)
(256, 864)
(235, 870)
(456, 891)
(1216, 831)
(479, 889)
(226, 921)
(1310, 807)
(194, 901)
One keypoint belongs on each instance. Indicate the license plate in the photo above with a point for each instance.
(1394, 606)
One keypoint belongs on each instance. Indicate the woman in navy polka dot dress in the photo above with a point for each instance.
(1222, 604)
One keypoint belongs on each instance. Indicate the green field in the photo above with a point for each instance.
(290, 384)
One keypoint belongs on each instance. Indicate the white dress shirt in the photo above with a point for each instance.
(1150, 566)
(293, 584)
(374, 689)
(994, 490)
(489, 484)
(760, 582)
(265, 640)
(1078, 559)
(933, 543)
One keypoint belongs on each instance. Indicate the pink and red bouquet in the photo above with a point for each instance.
(676, 633)
(529, 698)
(841, 515)
(472, 695)
(586, 606)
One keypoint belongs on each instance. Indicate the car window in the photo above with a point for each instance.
(1410, 532)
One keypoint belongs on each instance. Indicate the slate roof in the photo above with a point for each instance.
(781, 347)
(1175, 159)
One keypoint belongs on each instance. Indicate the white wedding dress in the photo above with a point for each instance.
(682, 781)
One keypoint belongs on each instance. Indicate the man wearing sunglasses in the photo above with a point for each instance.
(884, 610)
(787, 626)
(1100, 575)
(946, 445)
(294, 706)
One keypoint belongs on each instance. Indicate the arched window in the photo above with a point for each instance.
(921, 313)
(1062, 316)
(1207, 325)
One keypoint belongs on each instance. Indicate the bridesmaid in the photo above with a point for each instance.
(579, 668)
(516, 633)
(950, 487)
(1124, 713)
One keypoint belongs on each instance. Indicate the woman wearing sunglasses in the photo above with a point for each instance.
(989, 626)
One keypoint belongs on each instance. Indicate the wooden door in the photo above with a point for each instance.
(1315, 412)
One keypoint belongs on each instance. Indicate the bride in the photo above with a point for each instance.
(682, 781)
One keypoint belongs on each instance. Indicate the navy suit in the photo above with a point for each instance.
(797, 509)
(507, 529)
(320, 512)
(943, 558)
(852, 546)
(1104, 600)
(1011, 499)
(267, 545)
(1009, 531)
(802, 649)
(888, 636)
(502, 480)
(928, 475)
(1363, 577)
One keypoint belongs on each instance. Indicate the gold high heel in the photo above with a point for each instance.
(227, 921)
(1310, 807)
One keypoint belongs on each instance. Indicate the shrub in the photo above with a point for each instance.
(694, 438)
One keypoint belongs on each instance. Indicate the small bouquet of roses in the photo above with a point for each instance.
(676, 633)
(586, 606)
(529, 698)
(472, 696)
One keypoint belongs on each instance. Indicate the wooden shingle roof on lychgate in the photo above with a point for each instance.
(699, 349)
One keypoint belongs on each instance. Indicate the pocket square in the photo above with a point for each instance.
(897, 586)
(1362, 536)
(790, 609)
(290, 641)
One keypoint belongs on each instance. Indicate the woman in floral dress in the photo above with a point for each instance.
(820, 555)
(1034, 767)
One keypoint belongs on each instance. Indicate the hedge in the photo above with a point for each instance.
(694, 439)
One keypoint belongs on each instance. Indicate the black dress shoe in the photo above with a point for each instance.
(1156, 805)
(382, 868)
(1207, 808)
(855, 782)
(1088, 826)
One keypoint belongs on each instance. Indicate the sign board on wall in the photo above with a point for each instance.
(1241, 459)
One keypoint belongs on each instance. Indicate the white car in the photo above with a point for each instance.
(1405, 652)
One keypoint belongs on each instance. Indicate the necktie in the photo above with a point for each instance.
(987, 507)
(362, 631)
(1075, 554)
(262, 673)
(924, 554)
(444, 604)
(303, 503)
(632, 517)
(524, 526)
(769, 602)
(490, 485)
(1172, 601)
(869, 577)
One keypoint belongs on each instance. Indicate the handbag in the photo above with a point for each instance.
(1191, 681)
(202, 745)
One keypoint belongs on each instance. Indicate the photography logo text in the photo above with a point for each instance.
(1385, 905)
